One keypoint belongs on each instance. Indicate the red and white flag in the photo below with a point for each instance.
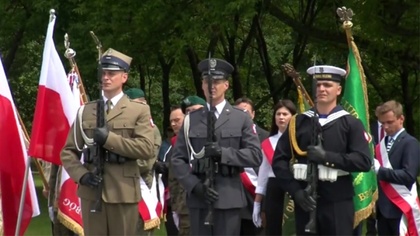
(13, 163)
(55, 109)
(69, 208)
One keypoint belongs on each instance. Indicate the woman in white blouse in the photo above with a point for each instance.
(266, 184)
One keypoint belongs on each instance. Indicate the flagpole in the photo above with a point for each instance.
(70, 54)
(37, 164)
(22, 197)
(290, 71)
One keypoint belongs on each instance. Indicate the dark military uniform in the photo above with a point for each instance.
(347, 149)
(247, 226)
(343, 148)
(239, 148)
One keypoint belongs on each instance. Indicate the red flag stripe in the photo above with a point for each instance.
(13, 163)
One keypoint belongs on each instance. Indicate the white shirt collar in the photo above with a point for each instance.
(115, 99)
(219, 107)
(395, 136)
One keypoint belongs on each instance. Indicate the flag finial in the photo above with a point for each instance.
(52, 14)
(345, 15)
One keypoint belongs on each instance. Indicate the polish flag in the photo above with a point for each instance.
(13, 163)
(55, 109)
(69, 208)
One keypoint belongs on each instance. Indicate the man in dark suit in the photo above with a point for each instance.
(397, 168)
(236, 147)
(247, 226)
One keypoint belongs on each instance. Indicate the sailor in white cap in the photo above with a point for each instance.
(343, 149)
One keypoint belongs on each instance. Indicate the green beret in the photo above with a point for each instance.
(134, 93)
(191, 101)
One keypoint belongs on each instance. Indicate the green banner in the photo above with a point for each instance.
(355, 101)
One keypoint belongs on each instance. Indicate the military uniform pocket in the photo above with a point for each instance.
(131, 171)
(123, 128)
(88, 127)
(231, 138)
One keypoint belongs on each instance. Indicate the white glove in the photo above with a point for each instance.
(377, 165)
(176, 219)
(256, 214)
(51, 213)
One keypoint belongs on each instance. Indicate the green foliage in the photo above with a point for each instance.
(257, 36)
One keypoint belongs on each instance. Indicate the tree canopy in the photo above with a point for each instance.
(167, 39)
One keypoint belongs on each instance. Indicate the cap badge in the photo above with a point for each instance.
(213, 63)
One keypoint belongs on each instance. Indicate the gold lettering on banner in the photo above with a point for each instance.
(363, 196)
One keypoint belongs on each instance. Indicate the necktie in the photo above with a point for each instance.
(389, 144)
(213, 111)
(108, 106)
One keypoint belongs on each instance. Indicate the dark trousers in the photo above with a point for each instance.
(274, 203)
(248, 228)
(171, 229)
(225, 222)
(371, 226)
(333, 218)
(387, 226)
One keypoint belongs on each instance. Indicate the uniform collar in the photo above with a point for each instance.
(115, 99)
(219, 107)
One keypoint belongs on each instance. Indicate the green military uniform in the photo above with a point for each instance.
(130, 137)
(178, 194)
(146, 166)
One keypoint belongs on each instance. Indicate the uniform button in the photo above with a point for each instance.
(332, 165)
(327, 163)
(125, 125)
(112, 148)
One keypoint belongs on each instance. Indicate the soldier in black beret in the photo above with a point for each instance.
(236, 147)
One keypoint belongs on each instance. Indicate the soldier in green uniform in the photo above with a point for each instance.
(178, 194)
(126, 137)
(146, 166)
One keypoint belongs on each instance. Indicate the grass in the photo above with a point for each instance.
(41, 225)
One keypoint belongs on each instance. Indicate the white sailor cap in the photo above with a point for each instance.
(325, 72)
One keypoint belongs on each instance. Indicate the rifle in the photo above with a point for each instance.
(100, 122)
(312, 174)
(211, 138)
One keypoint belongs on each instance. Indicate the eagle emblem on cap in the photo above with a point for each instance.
(213, 63)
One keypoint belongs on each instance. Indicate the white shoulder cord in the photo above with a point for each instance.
(187, 140)
(88, 141)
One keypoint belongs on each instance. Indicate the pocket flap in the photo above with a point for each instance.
(227, 133)
(89, 124)
(196, 134)
(123, 124)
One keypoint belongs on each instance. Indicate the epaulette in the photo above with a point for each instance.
(240, 109)
(140, 102)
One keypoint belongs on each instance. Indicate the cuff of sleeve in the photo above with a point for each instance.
(110, 140)
(260, 190)
(224, 160)
(330, 160)
(293, 188)
(192, 186)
